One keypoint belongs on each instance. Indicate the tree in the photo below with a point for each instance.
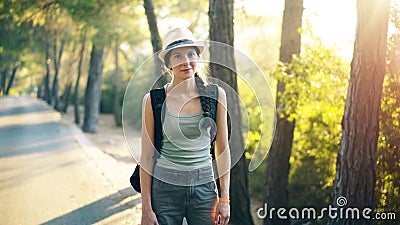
(93, 88)
(57, 53)
(155, 38)
(277, 170)
(47, 92)
(76, 100)
(356, 161)
(117, 88)
(91, 13)
(221, 30)
(3, 79)
(14, 40)
(68, 83)
(11, 80)
(55, 21)
(152, 21)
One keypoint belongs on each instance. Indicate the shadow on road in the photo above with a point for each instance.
(99, 210)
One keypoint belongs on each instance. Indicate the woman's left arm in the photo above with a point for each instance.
(223, 157)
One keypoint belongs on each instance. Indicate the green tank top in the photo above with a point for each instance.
(185, 145)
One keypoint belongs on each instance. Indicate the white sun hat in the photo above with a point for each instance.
(177, 38)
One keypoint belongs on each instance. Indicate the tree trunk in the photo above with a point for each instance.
(39, 94)
(57, 62)
(93, 90)
(277, 170)
(55, 89)
(47, 93)
(155, 40)
(11, 80)
(66, 97)
(3, 80)
(356, 162)
(76, 100)
(221, 30)
(68, 86)
(117, 89)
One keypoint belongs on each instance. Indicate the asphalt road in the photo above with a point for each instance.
(46, 175)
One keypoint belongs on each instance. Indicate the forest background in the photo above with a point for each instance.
(47, 48)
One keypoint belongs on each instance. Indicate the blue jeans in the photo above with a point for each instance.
(172, 202)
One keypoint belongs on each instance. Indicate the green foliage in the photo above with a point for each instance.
(316, 84)
(251, 117)
(252, 34)
(26, 26)
(13, 41)
(108, 20)
(256, 183)
(321, 99)
(17, 43)
(257, 127)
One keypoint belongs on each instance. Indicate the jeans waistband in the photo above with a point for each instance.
(184, 177)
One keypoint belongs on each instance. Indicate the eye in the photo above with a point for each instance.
(177, 57)
(192, 55)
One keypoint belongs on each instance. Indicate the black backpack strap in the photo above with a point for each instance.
(212, 93)
(213, 100)
(157, 101)
(210, 110)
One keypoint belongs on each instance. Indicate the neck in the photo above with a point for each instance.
(183, 86)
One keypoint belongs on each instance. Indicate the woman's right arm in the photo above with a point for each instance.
(146, 161)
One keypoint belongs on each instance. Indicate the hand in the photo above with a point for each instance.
(149, 218)
(222, 214)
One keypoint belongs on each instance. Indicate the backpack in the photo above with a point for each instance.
(209, 101)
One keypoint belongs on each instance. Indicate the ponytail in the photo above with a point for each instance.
(203, 98)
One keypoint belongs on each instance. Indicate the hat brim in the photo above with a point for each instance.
(162, 54)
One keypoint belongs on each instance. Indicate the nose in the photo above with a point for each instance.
(186, 59)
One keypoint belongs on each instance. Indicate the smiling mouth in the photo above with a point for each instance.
(186, 70)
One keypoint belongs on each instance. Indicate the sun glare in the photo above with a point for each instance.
(264, 7)
(333, 21)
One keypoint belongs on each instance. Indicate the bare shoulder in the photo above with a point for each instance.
(221, 91)
(146, 98)
(146, 101)
(221, 95)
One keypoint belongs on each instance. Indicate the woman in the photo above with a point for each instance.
(180, 182)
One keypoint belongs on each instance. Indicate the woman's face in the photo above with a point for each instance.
(183, 62)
